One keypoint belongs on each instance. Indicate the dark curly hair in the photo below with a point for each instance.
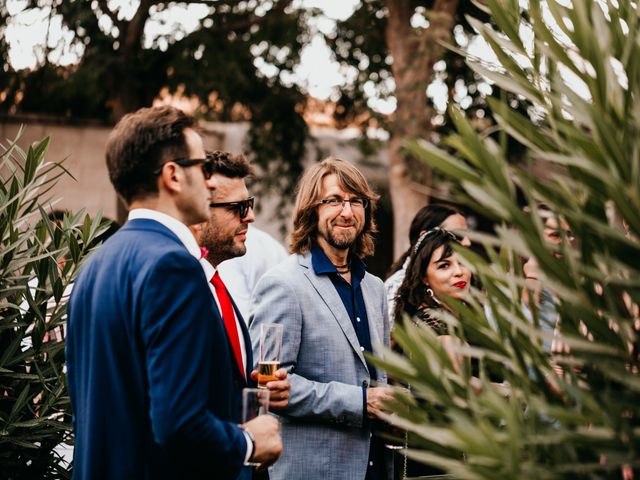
(230, 165)
(140, 143)
(412, 294)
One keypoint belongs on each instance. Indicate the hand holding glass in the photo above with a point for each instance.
(269, 354)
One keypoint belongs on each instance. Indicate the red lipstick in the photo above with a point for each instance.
(460, 284)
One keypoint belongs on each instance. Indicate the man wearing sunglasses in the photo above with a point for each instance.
(223, 237)
(148, 361)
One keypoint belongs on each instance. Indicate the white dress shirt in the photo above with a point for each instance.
(391, 285)
(241, 274)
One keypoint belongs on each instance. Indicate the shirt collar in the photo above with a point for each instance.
(321, 263)
(209, 270)
(173, 224)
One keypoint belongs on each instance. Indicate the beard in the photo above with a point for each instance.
(222, 248)
(342, 241)
(227, 250)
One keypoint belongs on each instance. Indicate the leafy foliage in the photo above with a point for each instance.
(573, 412)
(39, 262)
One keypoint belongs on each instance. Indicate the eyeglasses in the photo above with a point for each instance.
(356, 202)
(242, 206)
(207, 165)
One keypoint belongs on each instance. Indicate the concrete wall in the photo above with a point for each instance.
(82, 149)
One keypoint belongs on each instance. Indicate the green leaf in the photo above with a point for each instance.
(441, 160)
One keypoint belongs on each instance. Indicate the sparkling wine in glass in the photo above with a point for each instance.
(269, 354)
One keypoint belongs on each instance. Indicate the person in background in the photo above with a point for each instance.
(332, 312)
(111, 229)
(427, 218)
(149, 375)
(536, 295)
(433, 275)
(241, 274)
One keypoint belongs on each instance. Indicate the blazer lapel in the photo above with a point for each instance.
(243, 327)
(330, 297)
(247, 341)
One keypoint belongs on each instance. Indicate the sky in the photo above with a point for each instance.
(318, 74)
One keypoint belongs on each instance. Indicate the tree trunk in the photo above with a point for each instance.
(127, 96)
(414, 53)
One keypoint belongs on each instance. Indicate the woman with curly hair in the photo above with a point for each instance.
(432, 216)
(434, 273)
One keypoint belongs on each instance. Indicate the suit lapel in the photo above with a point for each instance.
(247, 341)
(330, 297)
(245, 333)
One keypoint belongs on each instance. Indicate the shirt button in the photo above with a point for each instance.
(371, 464)
(362, 349)
(357, 319)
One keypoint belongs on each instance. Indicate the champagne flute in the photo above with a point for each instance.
(269, 354)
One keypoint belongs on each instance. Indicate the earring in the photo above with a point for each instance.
(429, 292)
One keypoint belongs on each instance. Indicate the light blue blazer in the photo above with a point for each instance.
(323, 428)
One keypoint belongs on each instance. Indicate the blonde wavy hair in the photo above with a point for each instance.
(305, 214)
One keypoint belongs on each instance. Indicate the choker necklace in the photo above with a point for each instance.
(342, 269)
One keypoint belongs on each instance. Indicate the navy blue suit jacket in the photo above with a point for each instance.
(153, 390)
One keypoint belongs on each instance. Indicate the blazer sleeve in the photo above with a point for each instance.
(275, 301)
(178, 333)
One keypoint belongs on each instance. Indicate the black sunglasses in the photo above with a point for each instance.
(242, 206)
(207, 165)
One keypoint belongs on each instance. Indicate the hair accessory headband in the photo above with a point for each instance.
(429, 233)
(422, 237)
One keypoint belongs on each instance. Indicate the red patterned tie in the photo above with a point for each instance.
(229, 319)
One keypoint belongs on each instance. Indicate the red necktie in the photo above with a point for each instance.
(229, 319)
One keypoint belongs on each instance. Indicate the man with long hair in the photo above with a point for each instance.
(333, 312)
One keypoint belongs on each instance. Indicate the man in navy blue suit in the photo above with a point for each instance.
(150, 369)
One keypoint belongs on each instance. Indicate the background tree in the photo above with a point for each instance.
(573, 412)
(212, 52)
(393, 46)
